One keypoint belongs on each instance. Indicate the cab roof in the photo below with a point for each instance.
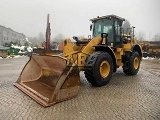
(107, 16)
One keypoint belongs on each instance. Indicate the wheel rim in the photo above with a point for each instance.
(136, 63)
(104, 69)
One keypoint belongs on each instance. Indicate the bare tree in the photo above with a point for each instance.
(33, 40)
(156, 37)
(37, 40)
(59, 38)
(41, 38)
(141, 36)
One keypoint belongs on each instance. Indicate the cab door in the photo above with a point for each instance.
(117, 33)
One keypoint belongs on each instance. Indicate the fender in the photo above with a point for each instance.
(138, 49)
(110, 51)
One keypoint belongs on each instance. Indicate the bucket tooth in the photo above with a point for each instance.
(49, 79)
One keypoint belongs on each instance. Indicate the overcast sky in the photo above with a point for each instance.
(71, 17)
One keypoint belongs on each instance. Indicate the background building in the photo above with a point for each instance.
(7, 35)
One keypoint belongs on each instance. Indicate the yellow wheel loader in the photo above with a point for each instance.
(49, 79)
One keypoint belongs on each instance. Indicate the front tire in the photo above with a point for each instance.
(99, 68)
(133, 64)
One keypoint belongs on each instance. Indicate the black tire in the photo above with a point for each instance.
(93, 68)
(133, 64)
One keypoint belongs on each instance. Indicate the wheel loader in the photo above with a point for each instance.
(50, 79)
(150, 48)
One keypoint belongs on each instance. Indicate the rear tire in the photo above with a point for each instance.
(133, 64)
(99, 68)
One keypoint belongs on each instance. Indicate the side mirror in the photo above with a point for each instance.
(90, 27)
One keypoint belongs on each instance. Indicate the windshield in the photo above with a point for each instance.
(102, 26)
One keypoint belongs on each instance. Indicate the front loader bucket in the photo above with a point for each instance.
(49, 79)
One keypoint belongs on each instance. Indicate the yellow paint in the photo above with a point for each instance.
(127, 47)
(78, 53)
(118, 53)
(136, 63)
(104, 69)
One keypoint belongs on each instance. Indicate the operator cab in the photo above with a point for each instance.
(111, 25)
